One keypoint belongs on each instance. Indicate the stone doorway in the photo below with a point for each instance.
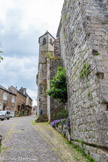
(4, 107)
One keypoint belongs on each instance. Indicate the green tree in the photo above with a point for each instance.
(58, 86)
(1, 58)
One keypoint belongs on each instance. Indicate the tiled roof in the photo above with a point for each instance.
(22, 92)
(3, 88)
(45, 34)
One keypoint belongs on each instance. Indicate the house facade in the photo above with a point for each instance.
(7, 99)
(28, 103)
(23, 101)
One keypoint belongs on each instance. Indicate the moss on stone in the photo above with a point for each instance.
(85, 71)
(89, 94)
(55, 58)
(0, 148)
(90, 105)
(64, 17)
(48, 54)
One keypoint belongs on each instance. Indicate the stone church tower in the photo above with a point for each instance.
(45, 46)
(49, 60)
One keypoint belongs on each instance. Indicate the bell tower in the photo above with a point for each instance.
(46, 44)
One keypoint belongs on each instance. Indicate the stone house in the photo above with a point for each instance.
(34, 110)
(28, 105)
(7, 99)
(83, 47)
(23, 101)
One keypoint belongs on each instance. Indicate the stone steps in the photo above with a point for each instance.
(42, 118)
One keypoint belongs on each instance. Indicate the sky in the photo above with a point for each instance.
(22, 22)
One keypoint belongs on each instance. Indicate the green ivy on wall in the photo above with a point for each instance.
(85, 71)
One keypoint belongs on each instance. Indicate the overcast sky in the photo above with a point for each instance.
(21, 23)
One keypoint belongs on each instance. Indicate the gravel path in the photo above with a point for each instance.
(21, 142)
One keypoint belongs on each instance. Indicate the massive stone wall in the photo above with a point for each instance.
(82, 42)
(83, 33)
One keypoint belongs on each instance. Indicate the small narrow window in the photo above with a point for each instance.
(44, 41)
(13, 99)
(51, 41)
(5, 96)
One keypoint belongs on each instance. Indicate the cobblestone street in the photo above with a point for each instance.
(21, 142)
(25, 140)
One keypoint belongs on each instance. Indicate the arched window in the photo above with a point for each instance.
(44, 41)
(51, 42)
(5, 96)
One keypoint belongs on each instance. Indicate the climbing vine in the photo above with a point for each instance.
(85, 71)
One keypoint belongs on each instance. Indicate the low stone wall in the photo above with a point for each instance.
(99, 154)
(63, 127)
(96, 153)
(65, 131)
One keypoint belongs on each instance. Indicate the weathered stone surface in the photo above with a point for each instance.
(7, 99)
(47, 69)
(83, 37)
(84, 40)
(22, 142)
(52, 67)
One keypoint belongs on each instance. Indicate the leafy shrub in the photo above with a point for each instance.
(58, 86)
(61, 115)
(21, 113)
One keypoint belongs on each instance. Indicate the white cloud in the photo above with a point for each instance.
(16, 69)
(13, 70)
(21, 23)
(34, 102)
(41, 14)
(32, 93)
